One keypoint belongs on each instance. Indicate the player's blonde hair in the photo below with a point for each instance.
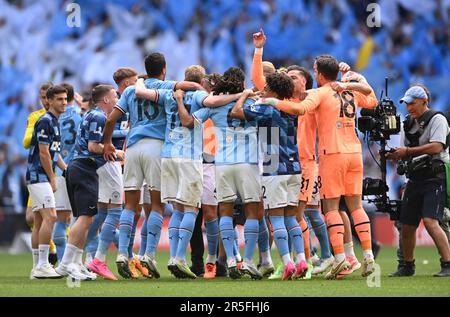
(268, 68)
(194, 73)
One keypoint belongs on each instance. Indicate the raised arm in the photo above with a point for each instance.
(355, 86)
(186, 119)
(364, 93)
(259, 39)
(344, 68)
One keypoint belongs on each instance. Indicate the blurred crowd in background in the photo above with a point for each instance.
(411, 46)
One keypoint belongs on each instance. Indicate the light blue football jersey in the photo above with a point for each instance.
(181, 142)
(69, 122)
(238, 142)
(147, 118)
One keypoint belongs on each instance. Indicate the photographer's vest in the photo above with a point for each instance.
(435, 168)
(423, 121)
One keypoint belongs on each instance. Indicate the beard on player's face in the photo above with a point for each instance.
(317, 76)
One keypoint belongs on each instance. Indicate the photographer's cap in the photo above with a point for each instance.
(415, 92)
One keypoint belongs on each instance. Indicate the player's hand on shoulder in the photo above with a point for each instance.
(179, 94)
(338, 86)
(259, 39)
(344, 67)
(352, 76)
(249, 93)
(78, 99)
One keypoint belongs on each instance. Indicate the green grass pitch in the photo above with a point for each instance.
(14, 281)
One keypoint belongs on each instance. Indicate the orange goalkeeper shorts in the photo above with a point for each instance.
(309, 175)
(341, 174)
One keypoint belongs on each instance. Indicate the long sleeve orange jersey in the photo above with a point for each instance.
(307, 136)
(336, 113)
(257, 72)
(307, 126)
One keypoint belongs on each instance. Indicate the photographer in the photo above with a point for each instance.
(422, 158)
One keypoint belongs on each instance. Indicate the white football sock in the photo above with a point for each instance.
(35, 253)
(69, 254)
(231, 261)
(301, 257)
(348, 247)
(339, 257)
(100, 256)
(43, 254)
(368, 253)
(286, 258)
(266, 259)
(211, 259)
(78, 258)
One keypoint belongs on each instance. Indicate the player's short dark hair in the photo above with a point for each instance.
(45, 86)
(123, 73)
(98, 92)
(55, 90)
(231, 82)
(70, 91)
(328, 66)
(154, 64)
(305, 73)
(281, 84)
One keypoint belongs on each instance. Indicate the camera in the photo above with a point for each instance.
(381, 122)
(410, 167)
(402, 167)
(379, 189)
(421, 168)
(373, 187)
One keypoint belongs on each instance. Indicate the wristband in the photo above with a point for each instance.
(259, 50)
